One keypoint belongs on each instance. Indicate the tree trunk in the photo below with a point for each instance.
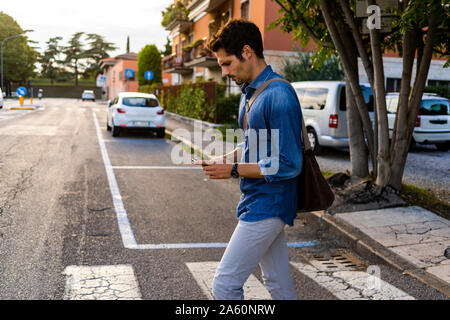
(383, 159)
(359, 166)
(398, 165)
(400, 141)
(354, 80)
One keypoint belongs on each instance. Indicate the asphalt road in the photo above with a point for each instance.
(59, 208)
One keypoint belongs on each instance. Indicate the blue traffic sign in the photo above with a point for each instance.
(129, 73)
(149, 75)
(21, 91)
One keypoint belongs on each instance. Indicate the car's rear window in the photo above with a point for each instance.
(312, 98)
(140, 102)
(431, 107)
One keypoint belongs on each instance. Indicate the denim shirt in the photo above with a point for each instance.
(278, 152)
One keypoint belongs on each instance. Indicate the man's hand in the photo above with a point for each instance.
(215, 170)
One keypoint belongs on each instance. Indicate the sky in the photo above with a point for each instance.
(114, 20)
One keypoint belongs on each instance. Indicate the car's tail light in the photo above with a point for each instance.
(418, 119)
(333, 122)
(120, 110)
(160, 112)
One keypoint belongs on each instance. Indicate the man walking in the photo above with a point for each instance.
(268, 197)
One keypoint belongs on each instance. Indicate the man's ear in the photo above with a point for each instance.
(247, 52)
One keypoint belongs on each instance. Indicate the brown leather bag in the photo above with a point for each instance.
(313, 191)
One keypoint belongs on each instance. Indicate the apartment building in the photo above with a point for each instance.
(114, 69)
(194, 21)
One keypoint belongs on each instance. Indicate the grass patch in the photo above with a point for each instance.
(417, 196)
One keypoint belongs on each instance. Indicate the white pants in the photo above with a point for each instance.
(262, 242)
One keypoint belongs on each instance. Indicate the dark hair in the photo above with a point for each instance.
(234, 35)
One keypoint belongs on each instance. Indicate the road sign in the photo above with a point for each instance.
(385, 7)
(21, 91)
(129, 73)
(149, 75)
(101, 81)
(385, 25)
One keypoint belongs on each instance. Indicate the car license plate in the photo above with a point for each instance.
(141, 123)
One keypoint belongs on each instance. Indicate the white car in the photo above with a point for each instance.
(432, 123)
(136, 111)
(88, 95)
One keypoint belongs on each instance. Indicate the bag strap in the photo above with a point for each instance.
(306, 144)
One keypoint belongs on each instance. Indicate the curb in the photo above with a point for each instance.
(367, 247)
(193, 121)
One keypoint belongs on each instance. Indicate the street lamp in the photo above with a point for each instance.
(1, 52)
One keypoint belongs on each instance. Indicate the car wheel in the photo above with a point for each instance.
(161, 133)
(115, 131)
(315, 146)
(108, 127)
(412, 145)
(443, 146)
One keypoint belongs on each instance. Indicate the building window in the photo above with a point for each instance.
(393, 85)
(437, 83)
(225, 17)
(212, 28)
(245, 9)
(120, 76)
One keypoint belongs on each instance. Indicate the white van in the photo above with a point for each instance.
(432, 123)
(324, 110)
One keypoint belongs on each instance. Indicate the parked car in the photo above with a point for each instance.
(432, 123)
(324, 110)
(1, 98)
(14, 95)
(137, 111)
(88, 95)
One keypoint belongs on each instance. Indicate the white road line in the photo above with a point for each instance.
(157, 167)
(353, 285)
(116, 282)
(126, 232)
(203, 273)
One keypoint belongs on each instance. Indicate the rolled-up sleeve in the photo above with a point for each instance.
(283, 119)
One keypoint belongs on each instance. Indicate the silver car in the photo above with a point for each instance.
(88, 95)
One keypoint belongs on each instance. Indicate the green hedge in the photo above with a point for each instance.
(191, 102)
(443, 91)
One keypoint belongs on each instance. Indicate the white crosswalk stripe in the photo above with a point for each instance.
(352, 285)
(203, 273)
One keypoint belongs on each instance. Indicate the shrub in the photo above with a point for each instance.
(443, 91)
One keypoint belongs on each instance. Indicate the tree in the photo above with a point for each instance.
(419, 28)
(18, 57)
(300, 68)
(75, 54)
(167, 48)
(149, 59)
(49, 60)
(98, 50)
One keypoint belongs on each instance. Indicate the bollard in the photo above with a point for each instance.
(31, 100)
(21, 100)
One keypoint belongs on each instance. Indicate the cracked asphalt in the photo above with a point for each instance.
(57, 214)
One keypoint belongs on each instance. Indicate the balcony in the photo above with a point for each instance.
(174, 64)
(200, 56)
(176, 15)
(204, 5)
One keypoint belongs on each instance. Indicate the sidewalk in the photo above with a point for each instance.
(411, 239)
